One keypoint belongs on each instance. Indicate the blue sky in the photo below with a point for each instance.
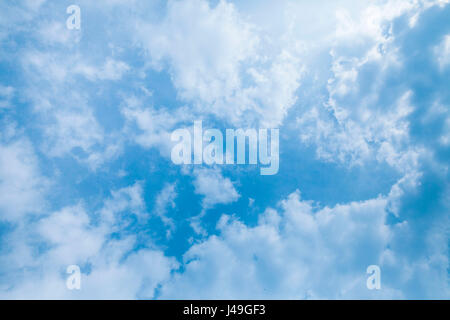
(358, 91)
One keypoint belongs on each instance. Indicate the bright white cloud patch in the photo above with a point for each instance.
(232, 79)
(301, 252)
(22, 187)
(367, 113)
(215, 188)
(111, 268)
(201, 70)
(292, 254)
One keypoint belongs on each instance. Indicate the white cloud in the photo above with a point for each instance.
(111, 70)
(219, 64)
(364, 134)
(56, 32)
(137, 277)
(295, 254)
(186, 37)
(154, 125)
(66, 116)
(111, 268)
(13, 16)
(70, 236)
(245, 70)
(128, 199)
(301, 252)
(214, 188)
(443, 52)
(22, 187)
(71, 130)
(362, 119)
(166, 200)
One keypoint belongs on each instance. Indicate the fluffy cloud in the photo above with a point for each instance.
(165, 200)
(22, 186)
(151, 127)
(126, 200)
(66, 116)
(201, 70)
(372, 102)
(214, 188)
(301, 251)
(111, 267)
(292, 254)
(213, 77)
